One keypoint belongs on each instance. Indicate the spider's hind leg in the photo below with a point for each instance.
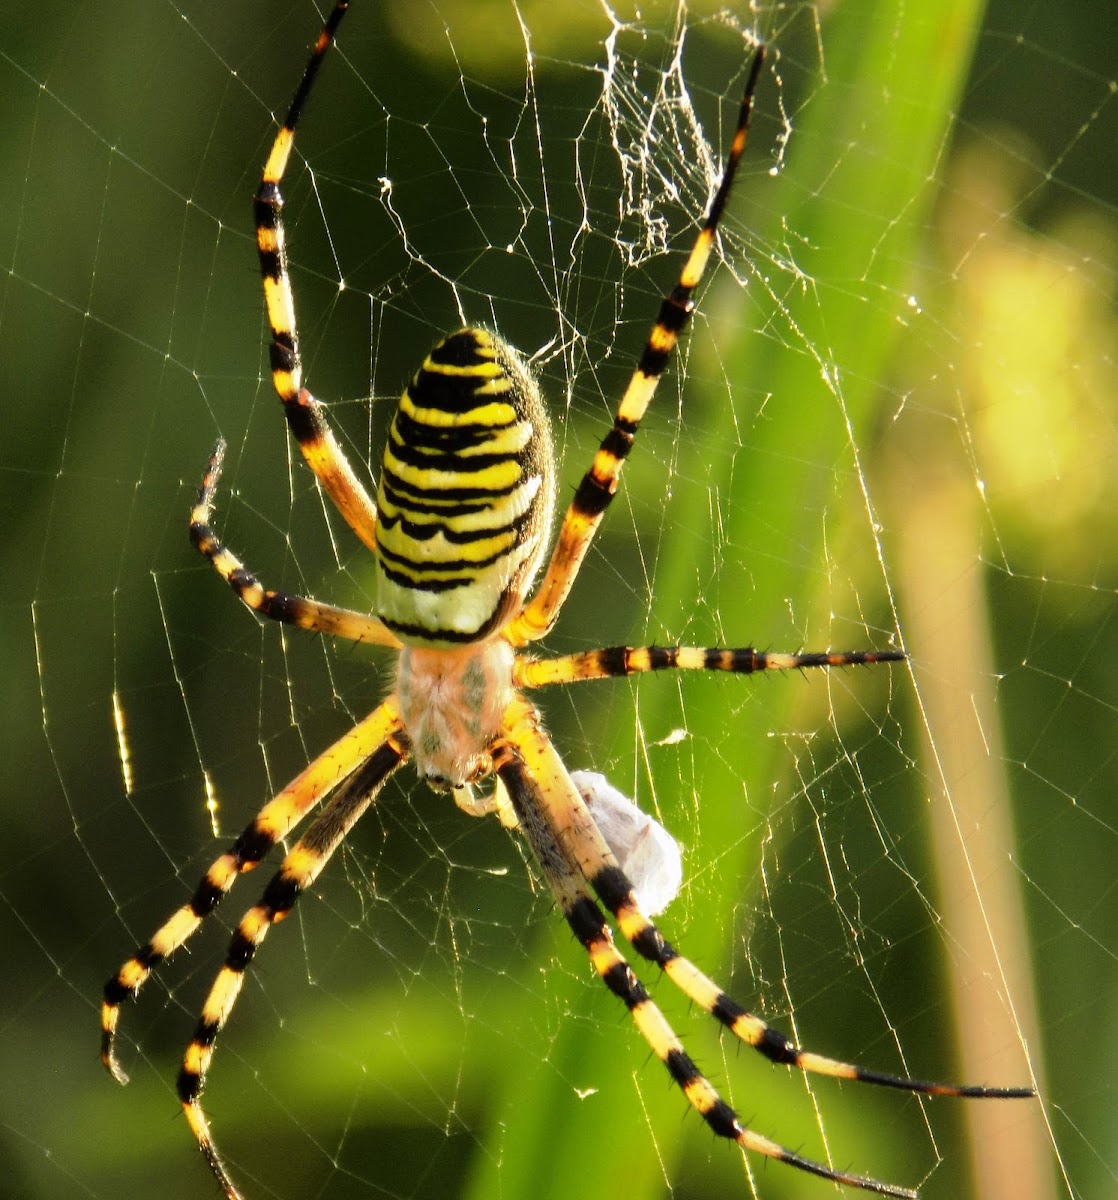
(600, 483)
(305, 416)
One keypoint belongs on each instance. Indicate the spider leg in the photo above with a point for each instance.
(305, 417)
(273, 822)
(278, 606)
(615, 891)
(298, 871)
(598, 864)
(600, 483)
(542, 816)
(614, 661)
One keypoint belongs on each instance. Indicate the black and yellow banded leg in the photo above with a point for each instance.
(566, 811)
(298, 871)
(278, 606)
(304, 414)
(614, 661)
(600, 483)
(616, 893)
(274, 821)
(535, 809)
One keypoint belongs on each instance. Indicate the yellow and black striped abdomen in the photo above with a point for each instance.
(466, 492)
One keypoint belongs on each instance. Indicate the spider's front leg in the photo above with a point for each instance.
(555, 822)
(300, 868)
(598, 863)
(574, 856)
(274, 821)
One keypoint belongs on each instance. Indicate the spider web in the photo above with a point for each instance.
(893, 420)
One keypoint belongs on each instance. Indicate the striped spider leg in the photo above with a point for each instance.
(291, 805)
(272, 823)
(574, 858)
(304, 414)
(299, 869)
(599, 484)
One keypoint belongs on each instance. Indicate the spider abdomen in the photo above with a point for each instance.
(465, 496)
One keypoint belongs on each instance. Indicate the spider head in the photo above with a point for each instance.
(453, 703)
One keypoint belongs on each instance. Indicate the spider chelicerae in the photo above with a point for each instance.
(458, 531)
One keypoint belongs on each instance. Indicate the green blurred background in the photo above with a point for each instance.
(895, 419)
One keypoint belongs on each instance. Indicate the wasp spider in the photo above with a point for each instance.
(458, 530)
